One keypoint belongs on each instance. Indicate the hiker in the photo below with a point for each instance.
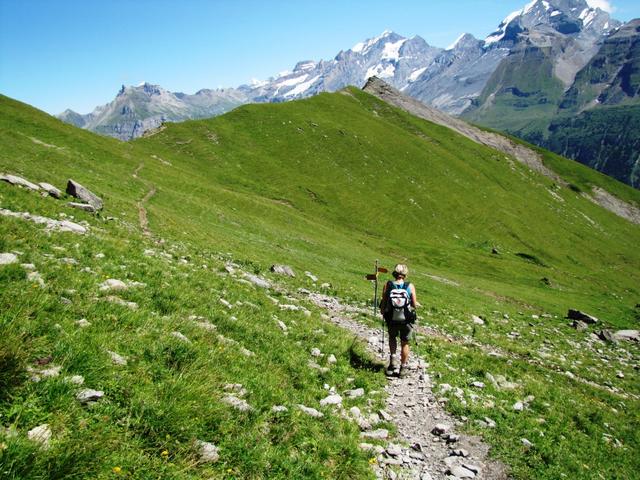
(397, 307)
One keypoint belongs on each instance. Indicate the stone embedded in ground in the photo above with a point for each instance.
(180, 337)
(40, 434)
(518, 406)
(113, 285)
(237, 403)
(83, 323)
(386, 417)
(474, 468)
(380, 434)
(120, 301)
(312, 412)
(578, 315)
(526, 443)
(283, 270)
(82, 206)
(206, 326)
(459, 471)
(116, 358)
(315, 352)
(75, 379)
(237, 388)
(19, 181)
(477, 320)
(628, 335)
(332, 359)
(51, 190)
(225, 303)
(459, 452)
(258, 281)
(355, 393)
(477, 384)
(49, 223)
(440, 429)
(35, 277)
(78, 191)
(279, 409)
(394, 450)
(283, 326)
(579, 325)
(207, 451)
(51, 371)
(310, 275)
(8, 258)
(88, 395)
(331, 400)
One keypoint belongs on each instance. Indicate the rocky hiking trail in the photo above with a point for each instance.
(427, 446)
(142, 211)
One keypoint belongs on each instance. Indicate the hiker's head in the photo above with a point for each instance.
(400, 271)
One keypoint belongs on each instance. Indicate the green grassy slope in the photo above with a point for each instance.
(328, 185)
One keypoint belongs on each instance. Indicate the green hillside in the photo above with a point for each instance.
(326, 185)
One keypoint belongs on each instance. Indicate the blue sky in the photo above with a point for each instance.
(58, 54)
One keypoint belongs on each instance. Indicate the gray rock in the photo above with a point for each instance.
(88, 395)
(629, 335)
(394, 450)
(117, 359)
(386, 417)
(380, 434)
(355, 393)
(82, 206)
(75, 379)
(477, 320)
(477, 384)
(237, 403)
(40, 434)
(83, 323)
(35, 277)
(311, 276)
(315, 352)
(331, 400)
(312, 412)
(518, 406)
(279, 409)
(19, 181)
(605, 335)
(207, 451)
(8, 258)
(51, 190)
(461, 472)
(258, 281)
(78, 191)
(440, 429)
(285, 270)
(180, 336)
(578, 315)
(112, 284)
(49, 223)
(526, 443)
(579, 325)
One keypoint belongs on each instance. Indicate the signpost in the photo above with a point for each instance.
(374, 278)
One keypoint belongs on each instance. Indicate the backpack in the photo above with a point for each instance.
(397, 303)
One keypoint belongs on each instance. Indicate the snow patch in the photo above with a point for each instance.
(453, 45)
(604, 5)
(302, 87)
(415, 74)
(381, 71)
(292, 81)
(363, 47)
(555, 13)
(392, 50)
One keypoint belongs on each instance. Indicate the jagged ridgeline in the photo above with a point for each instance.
(200, 341)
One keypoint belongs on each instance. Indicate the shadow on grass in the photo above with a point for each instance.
(361, 359)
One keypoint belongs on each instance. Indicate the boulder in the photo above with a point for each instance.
(40, 434)
(605, 335)
(78, 191)
(285, 270)
(331, 400)
(8, 258)
(579, 325)
(208, 451)
(50, 189)
(82, 206)
(629, 335)
(578, 315)
(312, 412)
(21, 182)
(88, 395)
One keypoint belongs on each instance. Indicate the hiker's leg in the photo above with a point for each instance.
(404, 352)
(393, 343)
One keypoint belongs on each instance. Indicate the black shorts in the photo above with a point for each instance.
(399, 328)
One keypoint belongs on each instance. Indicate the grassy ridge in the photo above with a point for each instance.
(326, 185)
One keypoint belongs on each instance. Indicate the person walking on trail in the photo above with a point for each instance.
(397, 307)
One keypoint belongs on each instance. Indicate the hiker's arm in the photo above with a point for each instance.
(383, 299)
(414, 298)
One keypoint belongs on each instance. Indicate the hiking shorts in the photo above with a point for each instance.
(399, 328)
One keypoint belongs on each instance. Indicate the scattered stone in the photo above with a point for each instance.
(283, 326)
(459, 471)
(180, 337)
(206, 326)
(208, 452)
(526, 443)
(355, 393)
(40, 434)
(325, 286)
(237, 403)
(386, 417)
(50, 223)
(331, 400)
(237, 388)
(19, 181)
(312, 412)
(35, 277)
(579, 325)
(605, 335)
(88, 395)
(518, 406)
(78, 191)
(75, 379)
(50, 372)
(380, 434)
(279, 409)
(315, 352)
(332, 359)
(82, 206)
(313, 278)
(315, 366)
(440, 429)
(459, 452)
(83, 323)
(451, 437)
(394, 450)
(8, 258)
(113, 285)
(285, 270)
(116, 358)
(120, 301)
(226, 303)
(477, 384)
(258, 281)
(628, 335)
(477, 320)
(50, 189)
(578, 315)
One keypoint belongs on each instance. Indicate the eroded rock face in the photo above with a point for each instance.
(78, 191)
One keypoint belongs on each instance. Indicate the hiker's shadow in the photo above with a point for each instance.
(361, 359)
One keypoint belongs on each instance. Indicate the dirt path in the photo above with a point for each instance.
(417, 452)
(142, 211)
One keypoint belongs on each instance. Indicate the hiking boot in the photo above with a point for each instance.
(392, 369)
(404, 371)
